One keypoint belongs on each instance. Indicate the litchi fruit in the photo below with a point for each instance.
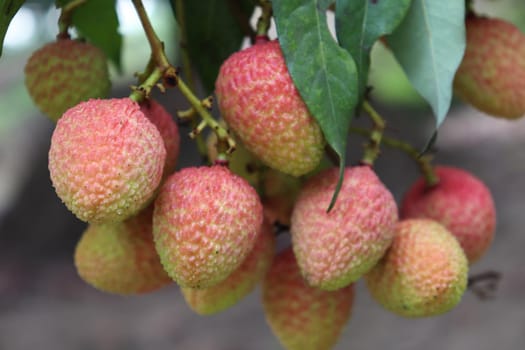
(259, 101)
(241, 282)
(491, 76)
(121, 257)
(336, 248)
(205, 223)
(169, 132)
(63, 73)
(106, 159)
(424, 273)
(460, 202)
(300, 316)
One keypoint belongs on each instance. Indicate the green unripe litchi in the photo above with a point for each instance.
(205, 224)
(106, 160)
(63, 73)
(260, 103)
(300, 316)
(461, 203)
(120, 257)
(336, 248)
(240, 283)
(491, 76)
(424, 273)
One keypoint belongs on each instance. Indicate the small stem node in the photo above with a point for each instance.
(264, 21)
(187, 114)
(423, 162)
(373, 148)
(198, 129)
(207, 102)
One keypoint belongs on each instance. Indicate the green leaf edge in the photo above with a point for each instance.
(340, 150)
(8, 10)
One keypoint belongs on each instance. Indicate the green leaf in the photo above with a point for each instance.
(429, 44)
(97, 21)
(8, 9)
(215, 29)
(323, 72)
(359, 23)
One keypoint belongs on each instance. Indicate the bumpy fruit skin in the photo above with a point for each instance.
(336, 248)
(259, 101)
(169, 131)
(121, 258)
(241, 282)
(63, 73)
(491, 76)
(460, 202)
(106, 159)
(205, 224)
(300, 316)
(424, 273)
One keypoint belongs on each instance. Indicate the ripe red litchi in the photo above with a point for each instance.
(424, 273)
(491, 76)
(63, 73)
(260, 103)
(106, 160)
(336, 248)
(168, 129)
(300, 316)
(240, 283)
(121, 257)
(460, 202)
(205, 224)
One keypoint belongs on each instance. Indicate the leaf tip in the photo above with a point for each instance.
(337, 187)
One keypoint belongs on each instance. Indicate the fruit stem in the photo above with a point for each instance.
(187, 70)
(201, 108)
(157, 47)
(141, 77)
(66, 15)
(171, 78)
(141, 92)
(373, 148)
(264, 21)
(423, 161)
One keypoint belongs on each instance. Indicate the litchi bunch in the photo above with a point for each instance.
(63, 73)
(211, 229)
